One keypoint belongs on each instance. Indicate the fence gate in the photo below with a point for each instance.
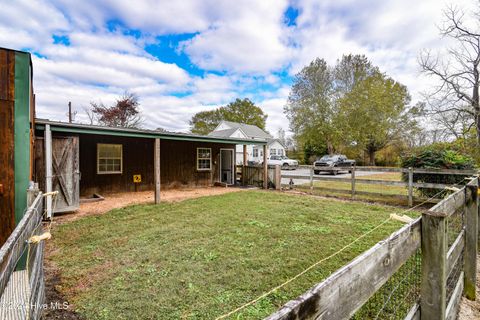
(65, 171)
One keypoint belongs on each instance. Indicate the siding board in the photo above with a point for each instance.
(7, 134)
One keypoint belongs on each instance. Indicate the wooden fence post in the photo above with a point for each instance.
(471, 235)
(353, 181)
(265, 167)
(278, 177)
(244, 164)
(434, 266)
(156, 167)
(410, 187)
(311, 178)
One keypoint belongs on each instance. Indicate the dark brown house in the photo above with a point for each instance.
(79, 160)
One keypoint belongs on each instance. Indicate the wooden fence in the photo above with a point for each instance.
(253, 176)
(448, 266)
(354, 180)
(22, 287)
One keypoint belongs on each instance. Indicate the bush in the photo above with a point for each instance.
(436, 157)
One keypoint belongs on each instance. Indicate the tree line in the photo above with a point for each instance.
(355, 108)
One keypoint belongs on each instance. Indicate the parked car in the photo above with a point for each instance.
(285, 162)
(330, 163)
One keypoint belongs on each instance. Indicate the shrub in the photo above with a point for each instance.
(436, 157)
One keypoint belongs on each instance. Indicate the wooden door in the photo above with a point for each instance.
(66, 173)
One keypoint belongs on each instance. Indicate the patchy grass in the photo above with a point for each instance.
(201, 258)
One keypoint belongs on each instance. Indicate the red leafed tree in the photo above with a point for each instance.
(124, 113)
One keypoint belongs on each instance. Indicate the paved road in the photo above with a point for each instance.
(303, 171)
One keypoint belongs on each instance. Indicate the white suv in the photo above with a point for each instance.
(286, 163)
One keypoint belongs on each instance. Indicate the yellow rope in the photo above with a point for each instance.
(324, 259)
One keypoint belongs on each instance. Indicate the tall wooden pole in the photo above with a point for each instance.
(410, 187)
(48, 168)
(157, 170)
(244, 178)
(265, 168)
(471, 232)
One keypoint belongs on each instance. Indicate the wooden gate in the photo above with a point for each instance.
(65, 171)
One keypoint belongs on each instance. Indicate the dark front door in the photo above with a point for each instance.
(226, 166)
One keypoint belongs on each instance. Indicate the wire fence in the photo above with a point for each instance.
(22, 287)
(351, 292)
(398, 295)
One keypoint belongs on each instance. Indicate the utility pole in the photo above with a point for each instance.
(70, 111)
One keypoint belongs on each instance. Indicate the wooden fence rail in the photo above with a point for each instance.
(22, 287)
(353, 180)
(346, 290)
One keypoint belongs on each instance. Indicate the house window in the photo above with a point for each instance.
(280, 152)
(255, 153)
(204, 159)
(273, 152)
(109, 158)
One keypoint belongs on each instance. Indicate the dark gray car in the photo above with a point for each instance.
(333, 164)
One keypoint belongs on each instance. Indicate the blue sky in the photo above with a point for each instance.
(186, 56)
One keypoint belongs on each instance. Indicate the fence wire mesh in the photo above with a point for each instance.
(398, 295)
(455, 224)
(21, 279)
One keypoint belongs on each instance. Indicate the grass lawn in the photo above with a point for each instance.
(201, 258)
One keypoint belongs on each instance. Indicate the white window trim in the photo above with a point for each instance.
(210, 158)
(98, 159)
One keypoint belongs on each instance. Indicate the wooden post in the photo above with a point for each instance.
(32, 194)
(353, 181)
(244, 177)
(311, 178)
(410, 187)
(156, 164)
(265, 168)
(48, 168)
(434, 266)
(471, 232)
(278, 177)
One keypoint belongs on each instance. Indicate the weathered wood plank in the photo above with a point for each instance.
(446, 171)
(414, 313)
(265, 168)
(7, 134)
(410, 187)
(454, 303)
(455, 251)
(434, 250)
(471, 234)
(346, 290)
(451, 204)
(156, 165)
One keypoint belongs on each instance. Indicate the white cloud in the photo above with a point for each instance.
(240, 47)
(251, 38)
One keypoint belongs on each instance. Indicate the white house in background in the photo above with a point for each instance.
(228, 129)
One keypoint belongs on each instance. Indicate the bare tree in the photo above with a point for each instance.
(125, 113)
(455, 100)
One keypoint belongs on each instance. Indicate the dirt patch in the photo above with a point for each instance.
(119, 200)
(471, 309)
(58, 306)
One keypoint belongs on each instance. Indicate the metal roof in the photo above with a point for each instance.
(59, 126)
(250, 130)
